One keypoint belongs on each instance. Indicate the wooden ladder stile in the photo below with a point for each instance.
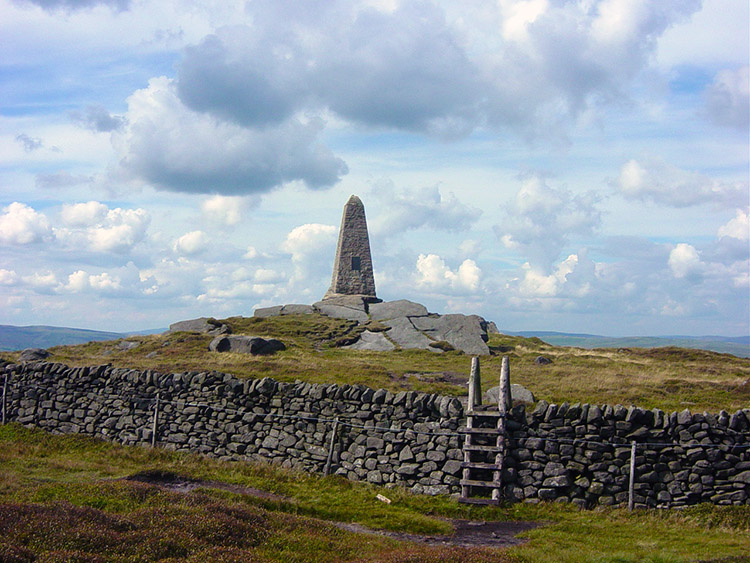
(482, 457)
(489, 457)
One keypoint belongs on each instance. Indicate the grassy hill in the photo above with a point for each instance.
(737, 346)
(73, 498)
(21, 337)
(667, 378)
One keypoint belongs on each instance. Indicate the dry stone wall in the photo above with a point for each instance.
(578, 453)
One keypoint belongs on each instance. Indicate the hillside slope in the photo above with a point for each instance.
(667, 378)
(20, 337)
(737, 346)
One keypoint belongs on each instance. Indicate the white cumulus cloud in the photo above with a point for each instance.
(225, 210)
(421, 208)
(120, 230)
(541, 220)
(21, 224)
(191, 243)
(728, 98)
(84, 214)
(309, 239)
(684, 261)
(169, 146)
(433, 273)
(8, 277)
(655, 180)
(738, 228)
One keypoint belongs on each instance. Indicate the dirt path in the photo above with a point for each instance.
(467, 533)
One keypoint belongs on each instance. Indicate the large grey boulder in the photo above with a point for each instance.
(517, 393)
(203, 324)
(265, 312)
(297, 309)
(280, 310)
(395, 309)
(464, 332)
(350, 307)
(405, 334)
(241, 344)
(374, 341)
(33, 355)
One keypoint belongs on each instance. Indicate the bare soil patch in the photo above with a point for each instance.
(180, 484)
(466, 533)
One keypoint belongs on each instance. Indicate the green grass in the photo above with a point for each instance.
(62, 499)
(667, 378)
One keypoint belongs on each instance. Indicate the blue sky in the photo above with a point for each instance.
(576, 166)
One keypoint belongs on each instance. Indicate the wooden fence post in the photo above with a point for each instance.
(5, 392)
(327, 468)
(631, 483)
(156, 419)
(475, 385)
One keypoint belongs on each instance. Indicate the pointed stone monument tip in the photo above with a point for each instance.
(352, 267)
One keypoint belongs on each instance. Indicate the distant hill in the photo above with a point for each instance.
(21, 337)
(737, 346)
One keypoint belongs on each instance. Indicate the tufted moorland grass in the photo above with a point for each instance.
(61, 499)
(667, 378)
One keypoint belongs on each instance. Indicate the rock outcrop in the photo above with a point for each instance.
(33, 355)
(241, 344)
(204, 324)
(409, 325)
(518, 393)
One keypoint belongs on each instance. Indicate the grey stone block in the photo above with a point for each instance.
(405, 334)
(395, 309)
(296, 309)
(351, 307)
(203, 324)
(266, 312)
(373, 341)
(467, 333)
(517, 393)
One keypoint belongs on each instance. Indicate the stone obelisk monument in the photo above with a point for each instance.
(352, 268)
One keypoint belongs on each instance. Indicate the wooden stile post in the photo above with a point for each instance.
(631, 482)
(5, 392)
(475, 385)
(504, 400)
(156, 420)
(327, 468)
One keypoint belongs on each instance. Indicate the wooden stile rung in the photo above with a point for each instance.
(478, 500)
(482, 465)
(486, 431)
(483, 484)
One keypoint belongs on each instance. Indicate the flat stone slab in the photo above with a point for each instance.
(348, 307)
(203, 324)
(265, 312)
(404, 334)
(395, 309)
(296, 309)
(374, 341)
(279, 310)
(464, 332)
